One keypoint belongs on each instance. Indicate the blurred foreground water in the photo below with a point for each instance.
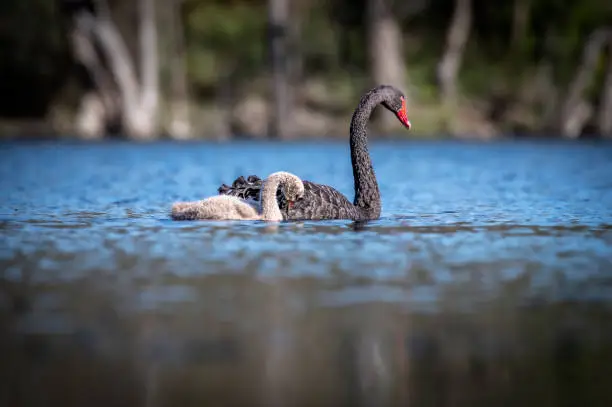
(487, 282)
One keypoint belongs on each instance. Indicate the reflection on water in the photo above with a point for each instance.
(487, 282)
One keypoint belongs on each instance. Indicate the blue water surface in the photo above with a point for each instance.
(487, 278)
(498, 206)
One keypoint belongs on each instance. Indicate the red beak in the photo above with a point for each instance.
(402, 115)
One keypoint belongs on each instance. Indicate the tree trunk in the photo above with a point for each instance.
(295, 61)
(97, 104)
(575, 111)
(117, 96)
(385, 51)
(456, 40)
(144, 124)
(278, 15)
(547, 94)
(180, 123)
(520, 22)
(604, 116)
(90, 119)
(121, 67)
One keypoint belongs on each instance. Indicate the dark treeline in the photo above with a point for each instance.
(296, 68)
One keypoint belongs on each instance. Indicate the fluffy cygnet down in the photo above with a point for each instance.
(225, 207)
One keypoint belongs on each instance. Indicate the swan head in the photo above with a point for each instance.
(395, 101)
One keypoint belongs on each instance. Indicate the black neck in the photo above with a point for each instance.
(367, 194)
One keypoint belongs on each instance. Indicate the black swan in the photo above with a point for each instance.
(322, 201)
(226, 207)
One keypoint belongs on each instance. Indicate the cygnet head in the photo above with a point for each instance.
(293, 191)
(291, 185)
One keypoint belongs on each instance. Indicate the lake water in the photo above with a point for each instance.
(487, 281)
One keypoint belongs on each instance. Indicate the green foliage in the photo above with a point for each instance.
(225, 39)
(320, 44)
(563, 28)
(226, 42)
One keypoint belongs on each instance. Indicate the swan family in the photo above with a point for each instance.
(283, 196)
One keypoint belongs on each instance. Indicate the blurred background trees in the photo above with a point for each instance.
(296, 68)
